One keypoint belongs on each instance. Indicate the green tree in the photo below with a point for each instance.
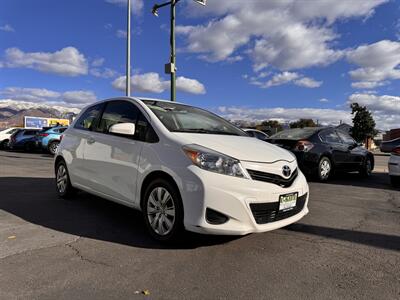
(272, 124)
(303, 123)
(363, 123)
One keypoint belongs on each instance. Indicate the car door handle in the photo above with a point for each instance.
(91, 140)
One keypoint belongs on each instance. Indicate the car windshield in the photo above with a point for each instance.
(184, 118)
(295, 133)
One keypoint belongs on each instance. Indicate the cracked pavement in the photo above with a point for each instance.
(348, 247)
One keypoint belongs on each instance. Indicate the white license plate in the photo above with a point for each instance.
(287, 201)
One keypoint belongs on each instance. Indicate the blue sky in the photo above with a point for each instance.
(249, 60)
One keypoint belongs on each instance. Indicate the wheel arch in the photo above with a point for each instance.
(152, 176)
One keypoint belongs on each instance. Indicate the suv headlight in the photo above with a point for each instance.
(214, 161)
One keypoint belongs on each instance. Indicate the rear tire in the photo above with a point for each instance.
(53, 147)
(366, 169)
(395, 181)
(4, 145)
(63, 183)
(324, 170)
(163, 210)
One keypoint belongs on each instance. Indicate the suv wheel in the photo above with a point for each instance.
(63, 183)
(324, 169)
(53, 147)
(366, 169)
(162, 209)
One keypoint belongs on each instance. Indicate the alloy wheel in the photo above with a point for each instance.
(325, 169)
(62, 179)
(161, 211)
(53, 147)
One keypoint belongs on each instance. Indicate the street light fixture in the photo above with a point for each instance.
(170, 68)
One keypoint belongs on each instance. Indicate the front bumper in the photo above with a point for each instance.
(233, 197)
(394, 165)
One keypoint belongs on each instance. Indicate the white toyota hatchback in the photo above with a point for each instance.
(183, 167)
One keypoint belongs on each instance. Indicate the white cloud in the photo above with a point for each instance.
(281, 78)
(103, 73)
(384, 104)
(378, 62)
(98, 62)
(7, 28)
(287, 35)
(40, 95)
(152, 83)
(308, 82)
(122, 34)
(368, 84)
(136, 5)
(67, 61)
(323, 100)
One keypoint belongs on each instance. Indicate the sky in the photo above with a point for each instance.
(251, 60)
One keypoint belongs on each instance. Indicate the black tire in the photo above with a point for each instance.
(4, 145)
(52, 147)
(66, 190)
(159, 215)
(395, 181)
(325, 169)
(366, 169)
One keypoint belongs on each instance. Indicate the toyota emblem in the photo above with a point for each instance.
(286, 171)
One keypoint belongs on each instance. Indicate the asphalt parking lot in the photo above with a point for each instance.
(348, 247)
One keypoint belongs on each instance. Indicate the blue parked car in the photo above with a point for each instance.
(23, 139)
(49, 138)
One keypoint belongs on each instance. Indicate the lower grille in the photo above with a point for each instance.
(269, 212)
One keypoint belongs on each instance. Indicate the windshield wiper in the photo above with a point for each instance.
(203, 130)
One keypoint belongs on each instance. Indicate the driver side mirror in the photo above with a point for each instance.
(126, 129)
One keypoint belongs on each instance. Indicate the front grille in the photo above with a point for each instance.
(269, 212)
(273, 178)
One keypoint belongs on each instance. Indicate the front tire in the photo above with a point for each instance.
(163, 210)
(324, 169)
(4, 145)
(395, 181)
(366, 169)
(53, 147)
(63, 183)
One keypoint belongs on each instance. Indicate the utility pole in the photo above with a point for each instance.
(170, 68)
(173, 54)
(128, 52)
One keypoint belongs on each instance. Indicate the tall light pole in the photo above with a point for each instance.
(170, 68)
(128, 52)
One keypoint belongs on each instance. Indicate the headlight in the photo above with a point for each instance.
(214, 161)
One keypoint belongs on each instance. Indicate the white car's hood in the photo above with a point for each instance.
(239, 147)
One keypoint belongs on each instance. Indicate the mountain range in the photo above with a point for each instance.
(12, 112)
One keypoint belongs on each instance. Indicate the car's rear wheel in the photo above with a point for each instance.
(53, 147)
(324, 169)
(163, 211)
(366, 169)
(63, 182)
(395, 181)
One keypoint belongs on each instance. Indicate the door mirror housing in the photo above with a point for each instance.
(126, 129)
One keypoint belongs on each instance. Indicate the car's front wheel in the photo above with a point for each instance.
(4, 145)
(366, 169)
(163, 211)
(395, 181)
(324, 169)
(63, 182)
(53, 147)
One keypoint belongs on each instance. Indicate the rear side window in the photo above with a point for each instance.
(30, 132)
(260, 136)
(329, 136)
(250, 133)
(117, 112)
(61, 130)
(88, 119)
(12, 131)
(346, 138)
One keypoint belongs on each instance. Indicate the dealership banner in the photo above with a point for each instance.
(37, 122)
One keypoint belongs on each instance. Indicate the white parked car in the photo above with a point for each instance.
(183, 167)
(394, 167)
(256, 134)
(5, 136)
